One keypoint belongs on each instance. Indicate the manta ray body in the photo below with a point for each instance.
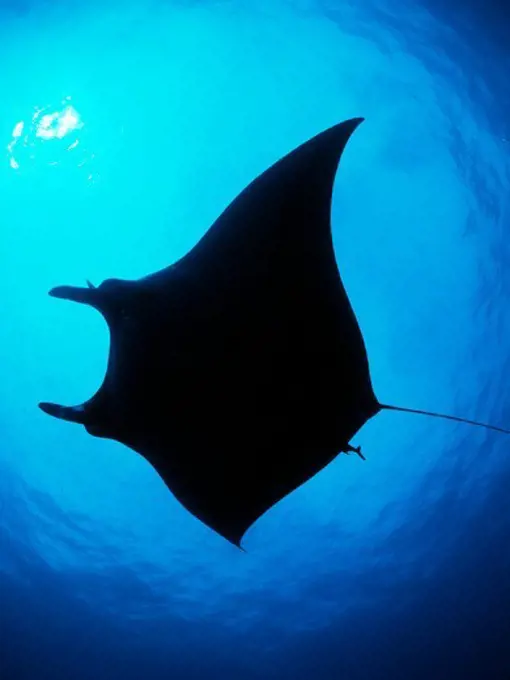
(239, 371)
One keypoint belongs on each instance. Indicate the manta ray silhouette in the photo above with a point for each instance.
(239, 371)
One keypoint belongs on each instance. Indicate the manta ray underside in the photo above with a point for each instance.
(239, 371)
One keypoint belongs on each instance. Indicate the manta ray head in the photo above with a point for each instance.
(118, 304)
(113, 298)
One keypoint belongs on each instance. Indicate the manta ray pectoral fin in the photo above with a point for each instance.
(73, 414)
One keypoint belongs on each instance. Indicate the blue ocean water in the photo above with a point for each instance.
(126, 129)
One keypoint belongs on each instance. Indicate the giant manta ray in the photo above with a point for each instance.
(239, 371)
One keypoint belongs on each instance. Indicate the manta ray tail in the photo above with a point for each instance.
(442, 415)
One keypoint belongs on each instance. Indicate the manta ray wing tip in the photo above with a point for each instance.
(354, 122)
(48, 408)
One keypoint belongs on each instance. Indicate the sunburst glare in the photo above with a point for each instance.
(50, 136)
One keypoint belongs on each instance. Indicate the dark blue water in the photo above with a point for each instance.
(126, 129)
